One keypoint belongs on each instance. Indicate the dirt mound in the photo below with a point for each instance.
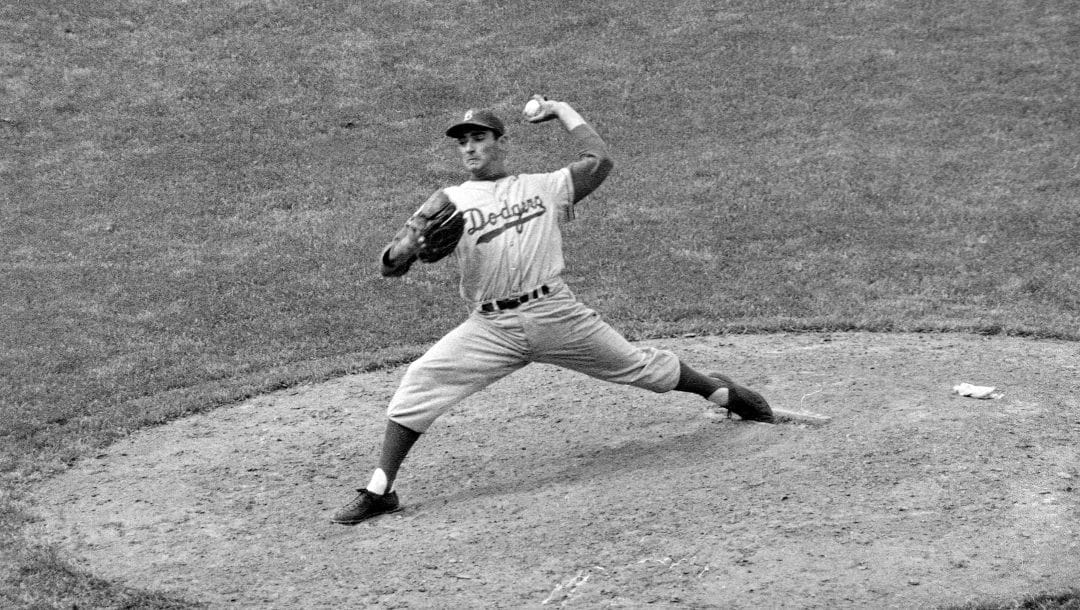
(551, 489)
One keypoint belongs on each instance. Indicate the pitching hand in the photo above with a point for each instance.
(539, 109)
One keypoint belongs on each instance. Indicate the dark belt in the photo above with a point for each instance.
(513, 303)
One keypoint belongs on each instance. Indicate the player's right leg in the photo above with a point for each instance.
(474, 355)
(377, 498)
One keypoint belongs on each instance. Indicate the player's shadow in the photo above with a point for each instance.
(706, 444)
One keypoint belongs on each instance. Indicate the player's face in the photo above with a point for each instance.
(481, 152)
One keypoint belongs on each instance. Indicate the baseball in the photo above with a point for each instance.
(532, 108)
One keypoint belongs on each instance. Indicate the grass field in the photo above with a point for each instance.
(195, 193)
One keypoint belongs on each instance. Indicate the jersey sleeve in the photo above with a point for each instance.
(556, 188)
(593, 164)
(389, 267)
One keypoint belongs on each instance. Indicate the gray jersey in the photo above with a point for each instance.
(512, 242)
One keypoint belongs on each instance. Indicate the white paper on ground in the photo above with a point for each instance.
(977, 391)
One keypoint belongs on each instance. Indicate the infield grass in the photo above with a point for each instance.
(194, 193)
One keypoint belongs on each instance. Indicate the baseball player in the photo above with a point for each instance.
(510, 259)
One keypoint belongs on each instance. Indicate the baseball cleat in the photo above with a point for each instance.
(744, 402)
(365, 506)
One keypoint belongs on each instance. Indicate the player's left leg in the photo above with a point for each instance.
(577, 338)
(723, 391)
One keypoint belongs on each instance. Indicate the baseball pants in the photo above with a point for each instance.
(486, 347)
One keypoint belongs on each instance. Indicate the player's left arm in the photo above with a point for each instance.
(594, 163)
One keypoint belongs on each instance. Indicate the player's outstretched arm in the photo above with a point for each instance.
(399, 255)
(430, 234)
(594, 163)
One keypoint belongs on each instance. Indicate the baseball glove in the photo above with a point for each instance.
(437, 228)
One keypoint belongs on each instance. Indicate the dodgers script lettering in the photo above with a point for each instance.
(509, 216)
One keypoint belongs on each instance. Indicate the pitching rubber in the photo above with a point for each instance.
(784, 416)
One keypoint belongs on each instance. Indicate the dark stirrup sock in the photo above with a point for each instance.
(397, 442)
(695, 382)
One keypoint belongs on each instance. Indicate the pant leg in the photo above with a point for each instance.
(566, 333)
(469, 358)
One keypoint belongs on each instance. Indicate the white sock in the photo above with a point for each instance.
(377, 485)
(720, 397)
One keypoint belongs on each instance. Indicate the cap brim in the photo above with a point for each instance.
(458, 129)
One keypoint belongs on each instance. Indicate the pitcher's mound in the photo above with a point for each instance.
(553, 489)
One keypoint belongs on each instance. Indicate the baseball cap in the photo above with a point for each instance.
(477, 117)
